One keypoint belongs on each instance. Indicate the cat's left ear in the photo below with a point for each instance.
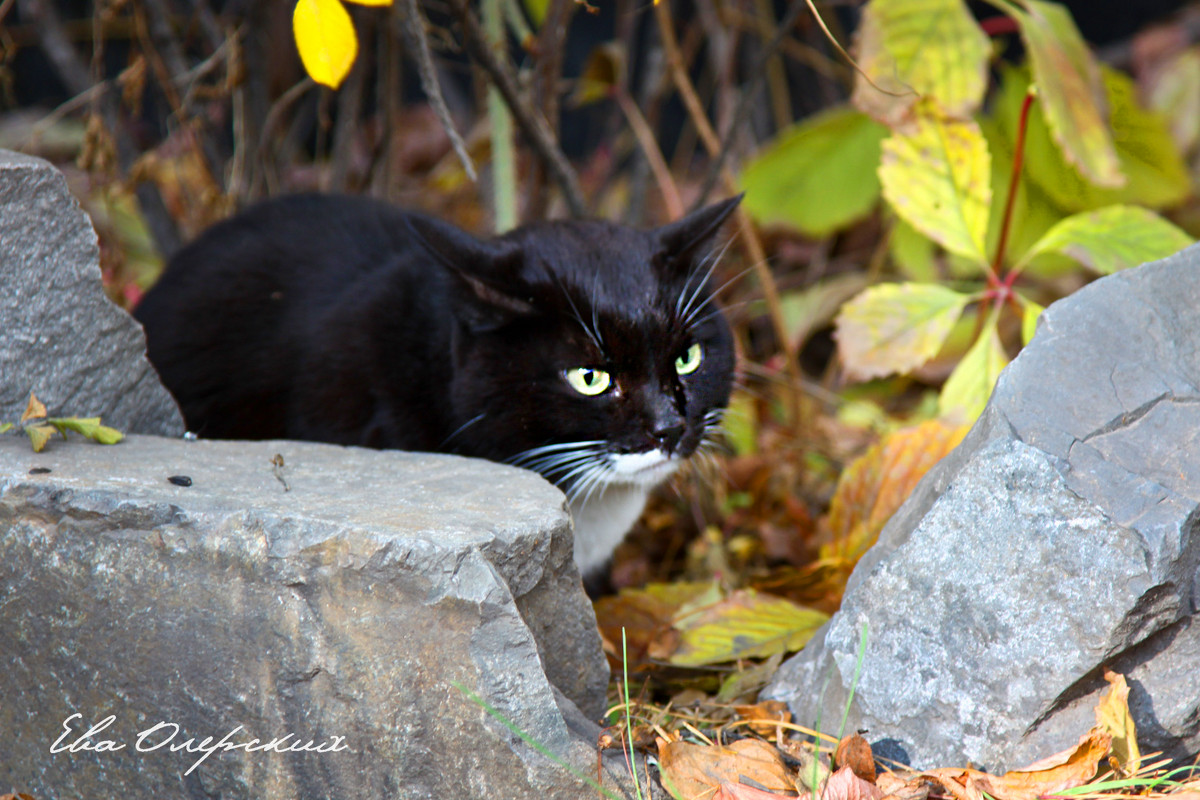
(681, 239)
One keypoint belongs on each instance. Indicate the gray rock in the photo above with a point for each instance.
(346, 607)
(63, 339)
(1059, 538)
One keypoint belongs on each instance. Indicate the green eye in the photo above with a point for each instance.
(687, 363)
(587, 380)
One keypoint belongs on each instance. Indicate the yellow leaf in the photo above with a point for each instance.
(34, 410)
(895, 327)
(920, 48)
(326, 40)
(1029, 318)
(1112, 715)
(970, 385)
(745, 624)
(5, 427)
(936, 175)
(1111, 239)
(39, 435)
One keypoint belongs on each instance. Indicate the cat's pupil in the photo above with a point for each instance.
(588, 380)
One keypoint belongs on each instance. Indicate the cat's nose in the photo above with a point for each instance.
(665, 424)
(669, 435)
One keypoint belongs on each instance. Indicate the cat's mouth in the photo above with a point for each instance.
(651, 467)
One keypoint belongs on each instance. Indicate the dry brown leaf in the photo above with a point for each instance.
(695, 771)
(646, 616)
(35, 410)
(766, 715)
(896, 788)
(1112, 715)
(1064, 770)
(739, 791)
(845, 785)
(854, 752)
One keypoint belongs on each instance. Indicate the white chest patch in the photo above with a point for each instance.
(604, 515)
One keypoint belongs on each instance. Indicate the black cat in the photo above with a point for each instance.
(587, 351)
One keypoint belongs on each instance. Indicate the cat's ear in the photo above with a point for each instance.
(681, 239)
(486, 273)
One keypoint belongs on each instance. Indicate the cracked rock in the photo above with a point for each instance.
(62, 338)
(354, 610)
(1058, 539)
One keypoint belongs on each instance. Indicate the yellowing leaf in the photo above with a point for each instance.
(970, 385)
(895, 327)
(1156, 174)
(326, 40)
(34, 409)
(5, 427)
(745, 624)
(817, 176)
(1029, 317)
(1112, 715)
(604, 71)
(39, 435)
(89, 427)
(1112, 238)
(935, 174)
(876, 484)
(645, 615)
(920, 48)
(1069, 89)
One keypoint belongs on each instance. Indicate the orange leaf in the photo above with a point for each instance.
(854, 752)
(874, 487)
(34, 410)
(765, 715)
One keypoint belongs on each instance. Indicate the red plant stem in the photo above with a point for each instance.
(1013, 183)
(999, 25)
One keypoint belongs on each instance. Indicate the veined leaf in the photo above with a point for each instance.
(818, 175)
(1069, 88)
(1157, 175)
(1029, 317)
(935, 174)
(745, 624)
(1112, 238)
(326, 40)
(39, 435)
(920, 48)
(970, 385)
(896, 327)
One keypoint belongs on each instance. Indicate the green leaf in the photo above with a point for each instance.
(5, 427)
(896, 327)
(1069, 88)
(745, 624)
(326, 40)
(1029, 318)
(912, 253)
(817, 176)
(39, 435)
(935, 176)
(1113, 238)
(89, 427)
(1157, 175)
(913, 49)
(537, 11)
(970, 385)
(741, 424)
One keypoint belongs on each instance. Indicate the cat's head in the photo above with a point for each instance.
(590, 352)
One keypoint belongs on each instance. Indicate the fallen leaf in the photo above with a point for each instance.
(738, 791)
(5, 427)
(854, 752)
(646, 616)
(765, 716)
(34, 410)
(845, 785)
(1112, 715)
(695, 771)
(39, 435)
(746, 624)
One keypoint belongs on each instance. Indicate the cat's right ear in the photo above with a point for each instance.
(486, 273)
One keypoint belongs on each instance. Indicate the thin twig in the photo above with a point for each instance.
(413, 24)
(754, 245)
(654, 156)
(532, 124)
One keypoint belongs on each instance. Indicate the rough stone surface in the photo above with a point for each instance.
(345, 607)
(1060, 537)
(62, 337)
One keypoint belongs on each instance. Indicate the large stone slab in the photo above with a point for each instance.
(62, 338)
(1060, 538)
(342, 610)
